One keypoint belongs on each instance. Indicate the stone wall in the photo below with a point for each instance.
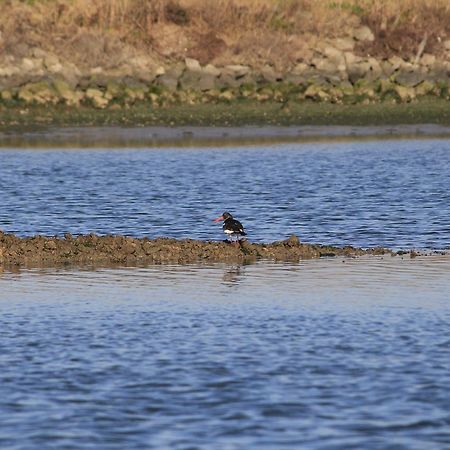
(330, 71)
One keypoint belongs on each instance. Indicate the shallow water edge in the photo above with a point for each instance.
(188, 135)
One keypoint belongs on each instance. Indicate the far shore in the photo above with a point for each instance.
(241, 122)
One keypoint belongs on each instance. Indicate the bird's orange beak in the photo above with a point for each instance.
(218, 219)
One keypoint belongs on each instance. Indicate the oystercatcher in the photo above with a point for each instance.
(231, 227)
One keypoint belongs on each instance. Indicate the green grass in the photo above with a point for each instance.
(238, 113)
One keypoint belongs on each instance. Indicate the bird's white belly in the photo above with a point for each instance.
(228, 231)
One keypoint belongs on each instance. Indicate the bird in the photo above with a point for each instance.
(231, 227)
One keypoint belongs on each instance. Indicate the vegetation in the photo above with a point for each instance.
(219, 31)
(237, 113)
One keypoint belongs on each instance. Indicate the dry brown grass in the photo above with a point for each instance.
(219, 31)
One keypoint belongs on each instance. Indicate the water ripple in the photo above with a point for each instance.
(385, 193)
(323, 354)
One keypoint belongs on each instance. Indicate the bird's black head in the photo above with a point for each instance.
(226, 215)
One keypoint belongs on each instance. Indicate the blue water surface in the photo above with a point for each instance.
(319, 355)
(376, 193)
(329, 354)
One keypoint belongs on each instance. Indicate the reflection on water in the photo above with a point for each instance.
(380, 193)
(338, 354)
(233, 274)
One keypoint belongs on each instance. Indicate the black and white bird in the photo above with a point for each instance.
(231, 227)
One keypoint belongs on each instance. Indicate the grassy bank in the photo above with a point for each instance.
(425, 110)
(104, 32)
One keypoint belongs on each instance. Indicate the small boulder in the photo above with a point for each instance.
(346, 44)
(406, 94)
(409, 78)
(427, 60)
(192, 65)
(363, 33)
(292, 241)
(97, 98)
(424, 88)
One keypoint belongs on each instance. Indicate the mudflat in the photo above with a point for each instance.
(89, 249)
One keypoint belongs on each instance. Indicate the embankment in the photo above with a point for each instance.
(132, 59)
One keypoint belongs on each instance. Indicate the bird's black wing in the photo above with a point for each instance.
(239, 227)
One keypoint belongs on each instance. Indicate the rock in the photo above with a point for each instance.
(386, 86)
(346, 44)
(97, 98)
(409, 78)
(50, 245)
(396, 62)
(207, 82)
(363, 33)
(51, 60)
(38, 52)
(192, 64)
(189, 80)
(227, 95)
(228, 79)
(9, 71)
(169, 81)
(27, 65)
(351, 58)
(269, 74)
(446, 44)
(40, 92)
(292, 241)
(293, 78)
(335, 56)
(375, 71)
(336, 94)
(25, 95)
(325, 65)
(114, 89)
(387, 68)
(6, 95)
(210, 69)
(70, 73)
(346, 88)
(171, 77)
(144, 74)
(65, 92)
(154, 98)
(236, 70)
(358, 70)
(160, 71)
(299, 74)
(406, 94)
(424, 88)
(315, 92)
(439, 72)
(427, 59)
(134, 93)
(300, 69)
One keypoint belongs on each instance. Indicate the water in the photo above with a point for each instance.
(322, 355)
(319, 355)
(380, 193)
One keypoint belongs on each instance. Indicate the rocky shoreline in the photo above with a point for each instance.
(40, 251)
(331, 71)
